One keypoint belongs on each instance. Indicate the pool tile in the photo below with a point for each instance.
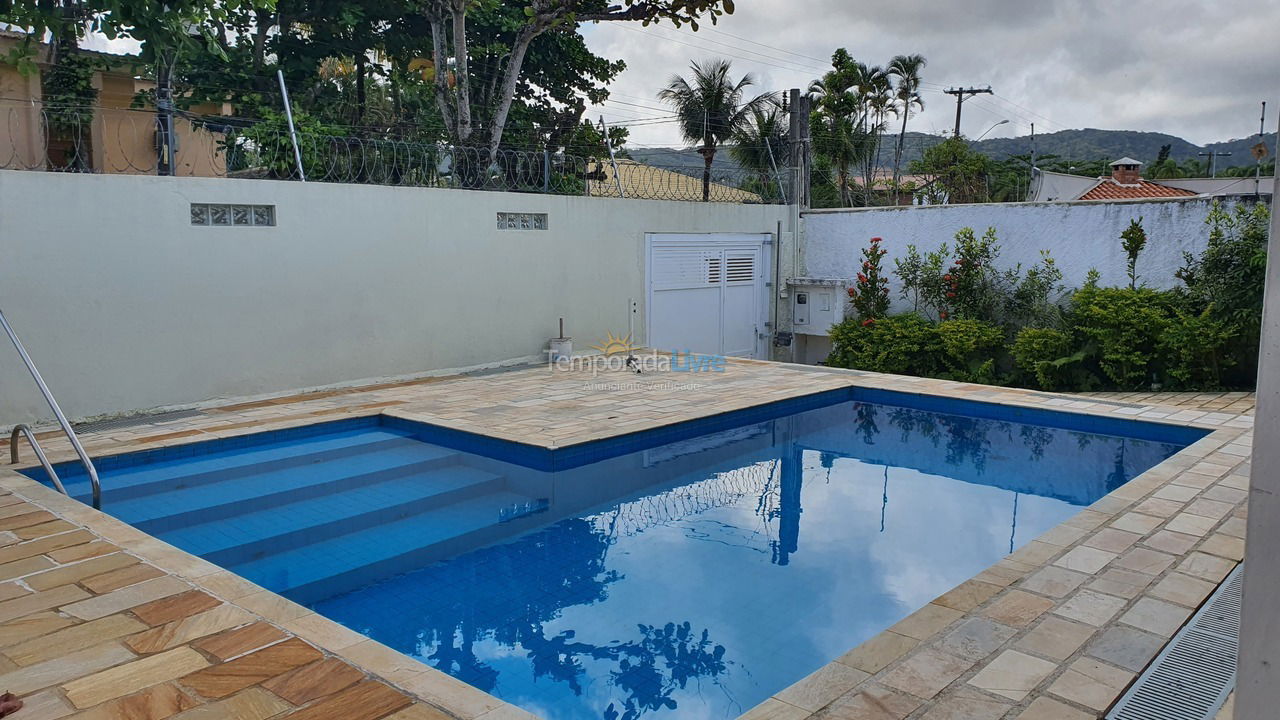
(1126, 647)
(1182, 589)
(875, 654)
(1055, 638)
(230, 677)
(1170, 542)
(183, 631)
(133, 676)
(770, 709)
(967, 595)
(822, 686)
(154, 703)
(1043, 708)
(1053, 581)
(232, 643)
(1147, 562)
(1203, 566)
(925, 673)
(66, 595)
(1156, 616)
(175, 607)
(68, 640)
(252, 704)
(926, 621)
(309, 682)
(1091, 683)
(975, 638)
(121, 578)
(870, 702)
(1090, 607)
(1013, 674)
(126, 598)
(65, 668)
(1017, 608)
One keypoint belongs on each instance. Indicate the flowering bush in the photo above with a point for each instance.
(870, 292)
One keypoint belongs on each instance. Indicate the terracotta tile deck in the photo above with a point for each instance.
(98, 620)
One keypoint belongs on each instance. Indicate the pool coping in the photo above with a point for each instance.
(904, 665)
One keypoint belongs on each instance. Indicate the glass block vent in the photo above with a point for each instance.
(229, 215)
(522, 221)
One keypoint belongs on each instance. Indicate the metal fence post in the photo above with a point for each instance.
(546, 170)
(293, 134)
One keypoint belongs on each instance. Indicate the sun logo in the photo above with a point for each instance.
(614, 345)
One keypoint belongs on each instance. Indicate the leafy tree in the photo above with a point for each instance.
(760, 145)
(711, 108)
(457, 91)
(905, 69)
(851, 102)
(1133, 239)
(956, 172)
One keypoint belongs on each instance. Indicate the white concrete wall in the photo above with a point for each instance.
(1080, 236)
(125, 305)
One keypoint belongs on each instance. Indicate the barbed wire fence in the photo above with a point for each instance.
(109, 140)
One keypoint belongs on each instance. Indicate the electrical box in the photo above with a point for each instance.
(816, 304)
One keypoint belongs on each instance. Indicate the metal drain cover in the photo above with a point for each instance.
(1192, 676)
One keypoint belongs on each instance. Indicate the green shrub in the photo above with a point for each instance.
(1051, 357)
(1126, 324)
(1196, 349)
(969, 349)
(900, 344)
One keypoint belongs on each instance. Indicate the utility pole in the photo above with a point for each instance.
(798, 135)
(1033, 146)
(166, 141)
(1213, 160)
(963, 93)
(1260, 153)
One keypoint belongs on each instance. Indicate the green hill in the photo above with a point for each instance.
(1084, 145)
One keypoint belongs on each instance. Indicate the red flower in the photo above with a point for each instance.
(862, 278)
(875, 239)
(943, 314)
(951, 294)
(947, 277)
(868, 321)
(852, 292)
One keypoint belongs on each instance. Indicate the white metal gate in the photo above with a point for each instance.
(706, 293)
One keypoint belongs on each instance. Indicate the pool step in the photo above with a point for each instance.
(185, 473)
(324, 569)
(256, 535)
(250, 492)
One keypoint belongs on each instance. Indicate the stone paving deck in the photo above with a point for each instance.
(98, 620)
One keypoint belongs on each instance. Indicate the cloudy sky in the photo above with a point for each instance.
(1198, 70)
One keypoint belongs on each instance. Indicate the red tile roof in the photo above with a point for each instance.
(1109, 189)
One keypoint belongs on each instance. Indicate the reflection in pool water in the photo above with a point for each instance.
(695, 579)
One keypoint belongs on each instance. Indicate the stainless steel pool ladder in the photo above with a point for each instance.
(21, 430)
(62, 421)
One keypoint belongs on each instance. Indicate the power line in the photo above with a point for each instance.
(961, 94)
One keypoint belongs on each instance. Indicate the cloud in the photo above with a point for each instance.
(1192, 69)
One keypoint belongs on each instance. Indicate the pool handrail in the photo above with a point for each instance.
(57, 412)
(22, 430)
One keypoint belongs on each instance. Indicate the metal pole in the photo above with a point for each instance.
(768, 143)
(546, 170)
(1258, 662)
(604, 130)
(57, 412)
(293, 133)
(1262, 138)
(164, 104)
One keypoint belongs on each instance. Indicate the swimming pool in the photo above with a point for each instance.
(690, 571)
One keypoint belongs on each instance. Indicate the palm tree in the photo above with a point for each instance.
(906, 68)
(710, 108)
(879, 97)
(839, 120)
(760, 144)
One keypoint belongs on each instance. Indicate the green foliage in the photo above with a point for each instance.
(1195, 348)
(969, 349)
(870, 293)
(899, 344)
(1033, 299)
(1133, 239)
(972, 279)
(1126, 324)
(1046, 354)
(958, 173)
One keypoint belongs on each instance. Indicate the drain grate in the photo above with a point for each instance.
(133, 420)
(1192, 676)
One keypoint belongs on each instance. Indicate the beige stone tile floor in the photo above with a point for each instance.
(98, 620)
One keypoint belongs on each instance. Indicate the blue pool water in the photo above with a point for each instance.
(688, 572)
